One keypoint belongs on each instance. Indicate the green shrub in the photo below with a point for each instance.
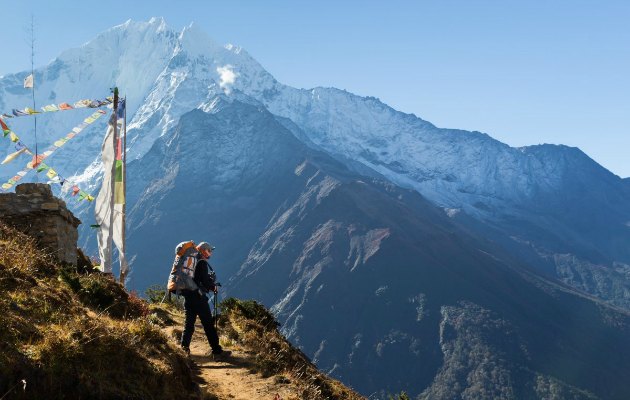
(157, 294)
(70, 278)
(250, 309)
(399, 396)
(101, 292)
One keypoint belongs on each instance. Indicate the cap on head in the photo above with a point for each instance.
(205, 246)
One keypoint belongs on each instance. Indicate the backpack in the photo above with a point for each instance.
(183, 270)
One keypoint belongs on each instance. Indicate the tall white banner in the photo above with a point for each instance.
(104, 204)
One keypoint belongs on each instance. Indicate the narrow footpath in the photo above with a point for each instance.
(232, 378)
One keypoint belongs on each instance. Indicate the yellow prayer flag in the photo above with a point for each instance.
(13, 136)
(51, 173)
(50, 107)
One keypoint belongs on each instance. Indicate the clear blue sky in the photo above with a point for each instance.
(525, 72)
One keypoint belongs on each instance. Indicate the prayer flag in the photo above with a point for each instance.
(82, 103)
(28, 81)
(51, 173)
(60, 142)
(13, 156)
(121, 108)
(104, 205)
(37, 160)
(119, 193)
(5, 128)
(109, 206)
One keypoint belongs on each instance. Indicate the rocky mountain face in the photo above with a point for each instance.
(551, 200)
(398, 255)
(379, 286)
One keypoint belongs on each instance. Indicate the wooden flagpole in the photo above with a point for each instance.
(112, 187)
(123, 274)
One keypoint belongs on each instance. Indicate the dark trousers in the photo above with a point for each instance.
(197, 305)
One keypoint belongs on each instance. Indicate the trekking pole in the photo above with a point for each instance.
(216, 310)
(166, 294)
(216, 314)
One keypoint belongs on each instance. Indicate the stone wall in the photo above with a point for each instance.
(34, 210)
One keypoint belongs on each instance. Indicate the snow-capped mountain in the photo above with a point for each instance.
(381, 288)
(555, 191)
(200, 119)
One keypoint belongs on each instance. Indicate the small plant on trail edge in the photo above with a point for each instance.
(156, 294)
(250, 309)
(400, 396)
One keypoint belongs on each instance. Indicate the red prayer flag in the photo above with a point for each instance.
(37, 160)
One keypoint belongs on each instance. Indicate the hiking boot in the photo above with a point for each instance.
(221, 355)
(186, 350)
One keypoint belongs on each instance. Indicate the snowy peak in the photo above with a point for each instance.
(197, 42)
(166, 73)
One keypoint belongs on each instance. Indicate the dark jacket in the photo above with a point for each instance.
(204, 277)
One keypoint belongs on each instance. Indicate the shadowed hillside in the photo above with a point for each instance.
(73, 333)
(69, 335)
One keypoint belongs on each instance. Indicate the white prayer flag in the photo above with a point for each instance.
(110, 226)
(28, 81)
(104, 204)
(13, 156)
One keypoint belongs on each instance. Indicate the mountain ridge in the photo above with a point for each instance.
(220, 150)
(327, 247)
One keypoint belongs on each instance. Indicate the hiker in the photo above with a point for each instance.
(196, 303)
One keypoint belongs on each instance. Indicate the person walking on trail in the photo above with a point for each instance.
(196, 303)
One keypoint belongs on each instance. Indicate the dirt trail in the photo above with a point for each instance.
(232, 378)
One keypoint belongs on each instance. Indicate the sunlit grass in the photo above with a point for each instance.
(72, 335)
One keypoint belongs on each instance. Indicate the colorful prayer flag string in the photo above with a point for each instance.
(37, 162)
(86, 103)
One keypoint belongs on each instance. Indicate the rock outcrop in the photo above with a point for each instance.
(34, 210)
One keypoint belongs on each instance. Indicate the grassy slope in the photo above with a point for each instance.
(73, 336)
(254, 327)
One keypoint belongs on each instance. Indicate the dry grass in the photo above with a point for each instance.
(253, 326)
(71, 335)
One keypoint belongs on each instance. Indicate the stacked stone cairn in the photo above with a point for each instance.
(34, 210)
